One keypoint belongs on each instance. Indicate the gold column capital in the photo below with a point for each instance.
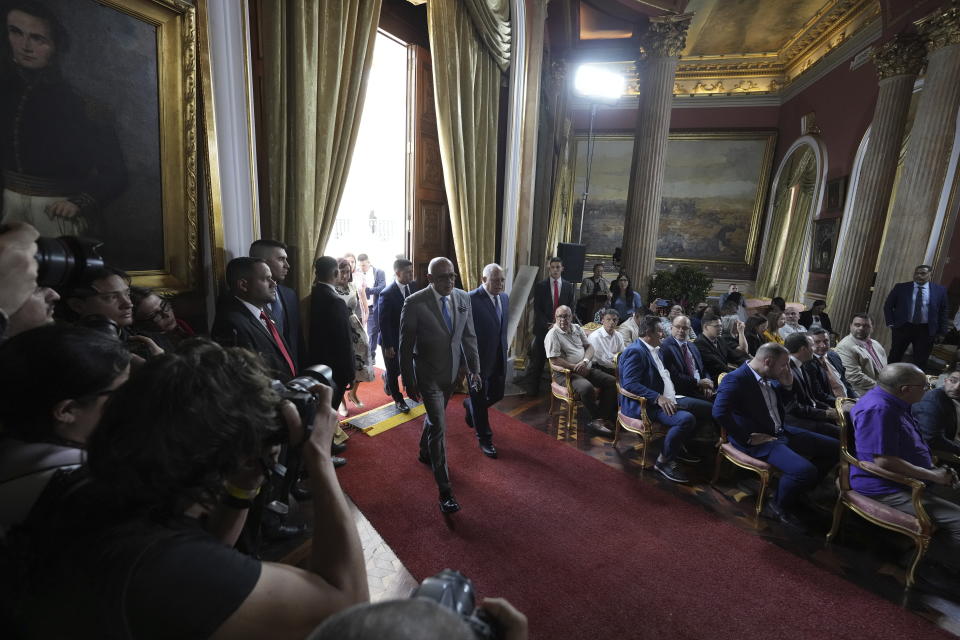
(666, 36)
(902, 55)
(941, 28)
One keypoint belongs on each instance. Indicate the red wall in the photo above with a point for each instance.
(717, 118)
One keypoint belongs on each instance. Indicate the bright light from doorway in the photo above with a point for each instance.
(594, 82)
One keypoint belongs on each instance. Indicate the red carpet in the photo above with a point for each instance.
(588, 552)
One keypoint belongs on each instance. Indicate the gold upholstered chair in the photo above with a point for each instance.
(918, 528)
(727, 451)
(564, 403)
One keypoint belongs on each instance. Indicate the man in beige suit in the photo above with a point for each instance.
(862, 356)
(437, 338)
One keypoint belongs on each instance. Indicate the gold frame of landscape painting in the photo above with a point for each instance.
(715, 186)
(133, 66)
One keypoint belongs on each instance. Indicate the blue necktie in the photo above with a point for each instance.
(446, 314)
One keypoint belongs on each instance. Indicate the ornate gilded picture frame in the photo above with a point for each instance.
(715, 186)
(129, 68)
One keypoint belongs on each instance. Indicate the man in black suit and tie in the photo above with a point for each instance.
(717, 355)
(490, 306)
(547, 296)
(937, 416)
(916, 313)
(374, 281)
(682, 359)
(285, 308)
(803, 409)
(389, 306)
(825, 372)
(242, 319)
(330, 318)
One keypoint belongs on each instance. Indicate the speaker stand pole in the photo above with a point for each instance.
(586, 181)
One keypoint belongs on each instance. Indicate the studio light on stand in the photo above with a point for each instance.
(599, 86)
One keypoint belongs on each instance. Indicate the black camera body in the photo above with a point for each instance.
(301, 391)
(453, 590)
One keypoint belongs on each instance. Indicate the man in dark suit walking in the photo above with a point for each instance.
(749, 405)
(330, 322)
(242, 319)
(828, 380)
(547, 296)
(285, 308)
(936, 415)
(374, 281)
(916, 313)
(389, 306)
(490, 306)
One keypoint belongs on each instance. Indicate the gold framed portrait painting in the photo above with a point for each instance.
(99, 129)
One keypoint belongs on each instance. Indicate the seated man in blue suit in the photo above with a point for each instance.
(642, 373)
(490, 306)
(749, 405)
(682, 359)
(936, 415)
(916, 313)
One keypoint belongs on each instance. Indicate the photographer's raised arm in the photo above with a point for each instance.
(288, 602)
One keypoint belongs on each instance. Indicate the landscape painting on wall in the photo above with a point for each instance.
(713, 194)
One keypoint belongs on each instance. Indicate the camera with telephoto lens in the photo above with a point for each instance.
(65, 261)
(453, 590)
(302, 392)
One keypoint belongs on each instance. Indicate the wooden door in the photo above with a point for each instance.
(429, 234)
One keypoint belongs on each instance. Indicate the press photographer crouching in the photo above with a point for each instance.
(139, 545)
(54, 382)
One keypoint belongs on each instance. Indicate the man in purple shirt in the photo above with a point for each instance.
(887, 435)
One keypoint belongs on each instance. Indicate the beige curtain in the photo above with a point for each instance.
(560, 208)
(466, 80)
(784, 257)
(317, 55)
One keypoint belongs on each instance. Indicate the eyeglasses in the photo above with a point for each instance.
(160, 311)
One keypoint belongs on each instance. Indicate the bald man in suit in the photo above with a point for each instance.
(437, 338)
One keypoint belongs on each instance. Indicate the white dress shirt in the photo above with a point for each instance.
(668, 388)
(256, 311)
(605, 346)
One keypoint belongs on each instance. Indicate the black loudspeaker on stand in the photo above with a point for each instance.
(573, 257)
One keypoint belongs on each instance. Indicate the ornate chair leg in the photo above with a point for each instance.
(616, 432)
(837, 517)
(921, 549)
(717, 466)
(572, 430)
(643, 454)
(764, 481)
(561, 423)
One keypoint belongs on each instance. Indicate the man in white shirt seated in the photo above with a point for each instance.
(791, 322)
(567, 346)
(607, 342)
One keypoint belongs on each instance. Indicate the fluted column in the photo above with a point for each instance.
(898, 62)
(925, 162)
(662, 44)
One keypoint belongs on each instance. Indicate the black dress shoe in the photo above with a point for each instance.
(300, 494)
(338, 461)
(283, 531)
(488, 450)
(775, 512)
(449, 505)
(600, 429)
(402, 406)
(337, 449)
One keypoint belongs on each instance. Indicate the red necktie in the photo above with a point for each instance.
(688, 357)
(276, 338)
(556, 296)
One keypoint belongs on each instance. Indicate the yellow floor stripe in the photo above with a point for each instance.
(523, 407)
(394, 421)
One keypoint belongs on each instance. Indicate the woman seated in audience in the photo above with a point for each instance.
(153, 317)
(735, 335)
(361, 348)
(755, 331)
(55, 380)
(625, 299)
(774, 322)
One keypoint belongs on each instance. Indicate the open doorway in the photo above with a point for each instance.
(372, 215)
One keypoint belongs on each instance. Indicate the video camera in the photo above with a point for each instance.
(64, 261)
(453, 590)
(301, 391)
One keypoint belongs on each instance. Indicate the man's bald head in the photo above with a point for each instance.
(441, 275)
(436, 263)
(899, 374)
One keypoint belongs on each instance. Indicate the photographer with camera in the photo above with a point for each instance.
(55, 381)
(142, 548)
(17, 250)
